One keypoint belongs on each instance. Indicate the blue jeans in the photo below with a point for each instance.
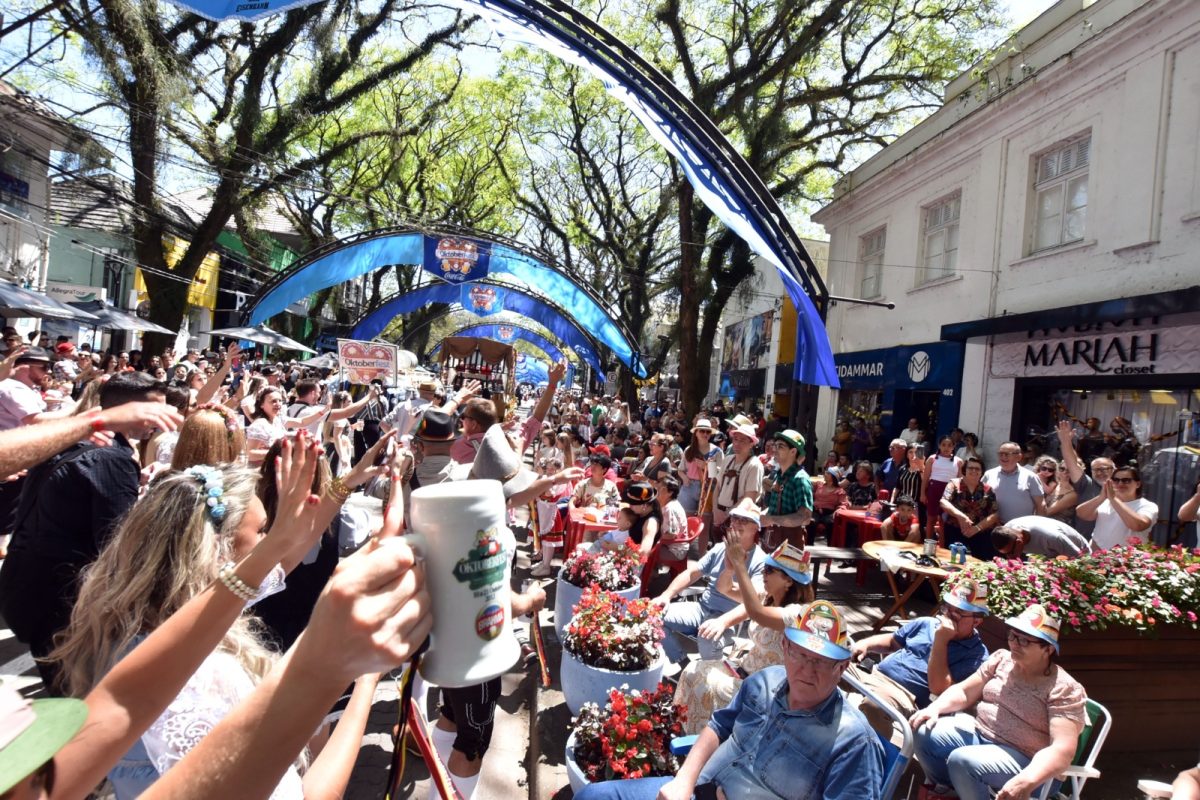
(684, 619)
(636, 789)
(952, 752)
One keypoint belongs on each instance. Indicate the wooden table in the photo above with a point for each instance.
(935, 576)
(868, 526)
(577, 526)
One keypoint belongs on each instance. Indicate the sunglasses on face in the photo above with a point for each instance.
(1047, 469)
(1123, 481)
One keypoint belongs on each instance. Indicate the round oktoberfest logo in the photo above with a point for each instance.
(489, 622)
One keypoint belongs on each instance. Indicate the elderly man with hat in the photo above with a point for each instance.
(789, 732)
(788, 504)
(404, 417)
(741, 475)
(926, 656)
(722, 592)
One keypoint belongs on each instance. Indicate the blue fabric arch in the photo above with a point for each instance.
(492, 331)
(516, 301)
(375, 252)
(531, 370)
(720, 175)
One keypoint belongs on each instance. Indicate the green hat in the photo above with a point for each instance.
(791, 438)
(32, 732)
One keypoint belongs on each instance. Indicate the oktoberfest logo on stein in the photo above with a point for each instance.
(484, 563)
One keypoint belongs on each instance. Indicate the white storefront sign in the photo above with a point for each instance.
(1143, 346)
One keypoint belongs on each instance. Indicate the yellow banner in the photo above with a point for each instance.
(203, 291)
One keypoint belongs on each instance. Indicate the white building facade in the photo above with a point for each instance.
(1040, 238)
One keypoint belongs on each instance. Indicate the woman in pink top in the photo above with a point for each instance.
(1028, 716)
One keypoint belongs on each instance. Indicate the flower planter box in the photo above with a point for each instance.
(582, 683)
(567, 595)
(1148, 681)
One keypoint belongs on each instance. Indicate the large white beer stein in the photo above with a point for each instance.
(459, 528)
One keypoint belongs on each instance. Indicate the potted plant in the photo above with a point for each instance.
(1131, 633)
(611, 641)
(616, 570)
(630, 737)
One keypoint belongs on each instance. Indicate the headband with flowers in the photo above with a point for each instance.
(231, 424)
(212, 489)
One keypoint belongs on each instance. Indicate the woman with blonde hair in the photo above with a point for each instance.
(174, 543)
(170, 547)
(210, 435)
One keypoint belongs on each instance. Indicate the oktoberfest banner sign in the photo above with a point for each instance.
(482, 299)
(363, 362)
(456, 259)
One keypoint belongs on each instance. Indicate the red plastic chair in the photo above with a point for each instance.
(653, 562)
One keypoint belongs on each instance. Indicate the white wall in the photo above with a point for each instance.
(1127, 71)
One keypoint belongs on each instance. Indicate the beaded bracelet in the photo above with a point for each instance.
(339, 491)
(230, 580)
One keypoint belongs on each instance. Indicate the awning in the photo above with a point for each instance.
(1179, 301)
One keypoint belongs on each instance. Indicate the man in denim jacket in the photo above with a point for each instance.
(788, 734)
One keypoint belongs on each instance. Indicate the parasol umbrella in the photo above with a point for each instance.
(262, 335)
(112, 318)
(327, 361)
(17, 301)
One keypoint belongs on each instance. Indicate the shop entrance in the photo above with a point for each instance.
(922, 405)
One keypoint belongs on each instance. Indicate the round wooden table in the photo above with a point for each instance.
(935, 576)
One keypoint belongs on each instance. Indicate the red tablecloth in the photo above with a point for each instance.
(868, 526)
(577, 526)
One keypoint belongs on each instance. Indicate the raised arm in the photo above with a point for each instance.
(1187, 511)
(768, 616)
(141, 685)
(372, 616)
(557, 372)
(1066, 443)
(213, 385)
(1088, 508)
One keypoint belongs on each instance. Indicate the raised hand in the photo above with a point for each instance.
(136, 419)
(557, 372)
(367, 468)
(295, 467)
(372, 615)
(10, 361)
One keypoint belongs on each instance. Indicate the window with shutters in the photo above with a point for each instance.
(1060, 187)
(870, 259)
(939, 243)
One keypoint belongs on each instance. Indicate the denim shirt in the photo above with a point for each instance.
(769, 752)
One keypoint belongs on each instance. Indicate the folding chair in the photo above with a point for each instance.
(1082, 766)
(895, 759)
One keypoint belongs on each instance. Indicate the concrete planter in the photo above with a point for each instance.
(582, 683)
(567, 595)
(575, 775)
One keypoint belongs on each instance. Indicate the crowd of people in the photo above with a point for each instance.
(198, 594)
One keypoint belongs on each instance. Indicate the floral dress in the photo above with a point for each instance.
(708, 686)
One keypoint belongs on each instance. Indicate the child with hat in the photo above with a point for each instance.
(705, 686)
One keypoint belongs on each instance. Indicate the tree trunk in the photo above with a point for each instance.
(693, 372)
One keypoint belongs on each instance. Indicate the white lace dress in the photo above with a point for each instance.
(209, 695)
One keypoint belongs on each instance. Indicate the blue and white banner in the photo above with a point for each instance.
(482, 299)
(456, 259)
